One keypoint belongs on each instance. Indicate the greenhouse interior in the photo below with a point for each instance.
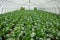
(29, 19)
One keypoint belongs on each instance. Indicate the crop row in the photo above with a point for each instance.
(29, 25)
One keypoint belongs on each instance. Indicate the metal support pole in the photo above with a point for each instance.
(2, 10)
(29, 4)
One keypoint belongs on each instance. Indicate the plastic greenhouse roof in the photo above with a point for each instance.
(16, 4)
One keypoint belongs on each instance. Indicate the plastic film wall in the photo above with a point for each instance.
(44, 5)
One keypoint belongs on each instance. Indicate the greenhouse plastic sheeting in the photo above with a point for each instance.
(45, 5)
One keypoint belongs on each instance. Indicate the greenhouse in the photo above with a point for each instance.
(29, 19)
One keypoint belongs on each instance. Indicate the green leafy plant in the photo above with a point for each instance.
(20, 25)
(35, 8)
(22, 8)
